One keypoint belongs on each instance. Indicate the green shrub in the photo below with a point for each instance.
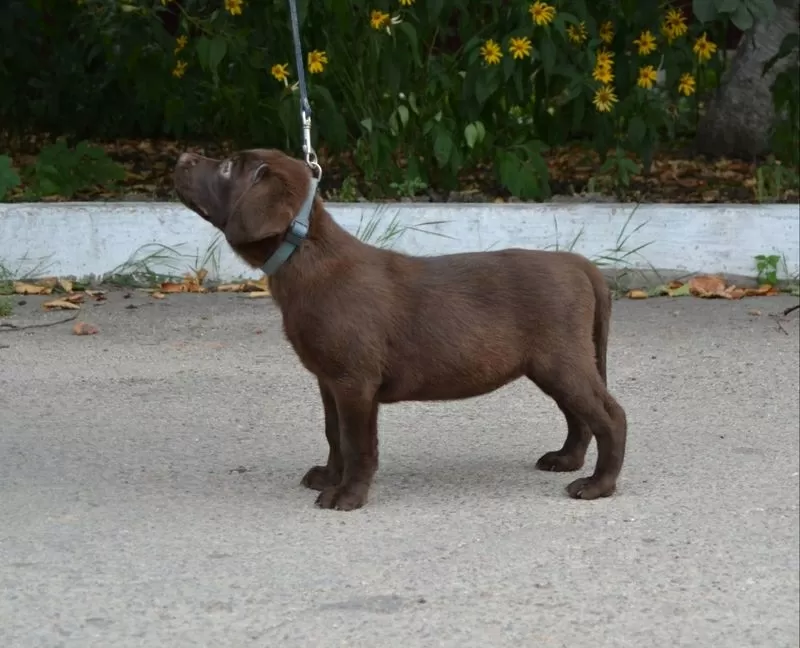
(412, 92)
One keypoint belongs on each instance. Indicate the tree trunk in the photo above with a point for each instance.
(740, 115)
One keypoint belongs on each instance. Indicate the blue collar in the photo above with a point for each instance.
(298, 231)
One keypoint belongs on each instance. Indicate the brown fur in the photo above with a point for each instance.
(376, 326)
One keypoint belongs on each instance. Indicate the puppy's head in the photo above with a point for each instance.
(250, 196)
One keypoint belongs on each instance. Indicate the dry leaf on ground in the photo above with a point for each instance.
(259, 293)
(230, 287)
(171, 287)
(637, 294)
(65, 285)
(82, 328)
(60, 304)
(193, 281)
(158, 295)
(22, 288)
(707, 286)
(49, 282)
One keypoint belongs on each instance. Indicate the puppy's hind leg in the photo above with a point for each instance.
(580, 391)
(357, 409)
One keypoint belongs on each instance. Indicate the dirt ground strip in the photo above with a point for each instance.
(676, 176)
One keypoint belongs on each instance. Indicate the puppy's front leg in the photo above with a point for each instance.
(319, 477)
(358, 435)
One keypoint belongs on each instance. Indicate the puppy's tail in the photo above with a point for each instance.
(602, 319)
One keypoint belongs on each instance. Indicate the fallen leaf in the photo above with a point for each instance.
(60, 304)
(637, 294)
(230, 288)
(773, 290)
(754, 311)
(763, 289)
(66, 285)
(97, 294)
(707, 286)
(675, 284)
(192, 281)
(732, 292)
(259, 293)
(158, 295)
(76, 298)
(22, 288)
(171, 287)
(681, 290)
(82, 328)
(49, 282)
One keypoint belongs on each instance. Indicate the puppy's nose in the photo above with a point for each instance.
(186, 159)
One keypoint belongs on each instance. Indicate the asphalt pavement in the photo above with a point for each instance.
(150, 492)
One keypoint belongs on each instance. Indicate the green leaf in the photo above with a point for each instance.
(402, 113)
(202, 47)
(704, 10)
(442, 146)
(9, 178)
(742, 18)
(548, 54)
(481, 131)
(216, 52)
(471, 135)
(434, 9)
(636, 130)
(411, 33)
(367, 124)
(728, 6)
(485, 86)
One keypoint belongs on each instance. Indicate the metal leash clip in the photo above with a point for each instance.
(308, 150)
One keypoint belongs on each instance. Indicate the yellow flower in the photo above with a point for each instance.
(607, 32)
(603, 74)
(647, 77)
(704, 48)
(676, 23)
(180, 69)
(280, 71)
(180, 43)
(646, 43)
(520, 47)
(406, 3)
(604, 58)
(491, 52)
(378, 19)
(542, 13)
(603, 67)
(686, 84)
(604, 98)
(234, 7)
(577, 33)
(317, 60)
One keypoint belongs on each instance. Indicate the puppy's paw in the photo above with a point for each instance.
(558, 461)
(589, 488)
(319, 478)
(342, 498)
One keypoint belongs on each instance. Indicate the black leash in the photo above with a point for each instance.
(305, 106)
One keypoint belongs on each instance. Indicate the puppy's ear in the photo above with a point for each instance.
(263, 210)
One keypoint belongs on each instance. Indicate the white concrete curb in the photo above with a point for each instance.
(81, 239)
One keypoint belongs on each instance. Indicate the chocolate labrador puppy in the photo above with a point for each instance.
(376, 326)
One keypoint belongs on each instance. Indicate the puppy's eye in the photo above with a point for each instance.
(259, 173)
(225, 168)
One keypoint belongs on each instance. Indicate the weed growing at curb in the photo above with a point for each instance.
(393, 231)
(6, 306)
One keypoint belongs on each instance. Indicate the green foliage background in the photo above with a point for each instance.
(414, 100)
